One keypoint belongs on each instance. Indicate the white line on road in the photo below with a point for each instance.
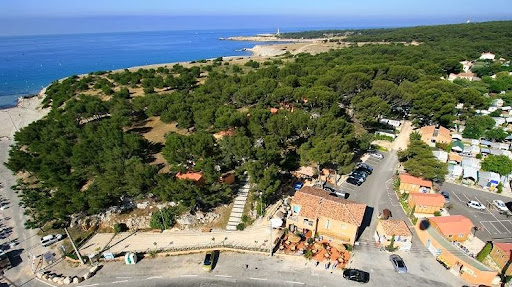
(224, 276)
(45, 282)
(253, 278)
(121, 281)
(123, 277)
(188, 275)
(90, 285)
(153, 277)
(294, 282)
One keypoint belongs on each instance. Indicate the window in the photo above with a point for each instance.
(328, 224)
(450, 236)
(296, 209)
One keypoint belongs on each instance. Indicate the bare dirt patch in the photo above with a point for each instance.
(159, 129)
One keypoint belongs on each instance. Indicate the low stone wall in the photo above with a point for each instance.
(66, 280)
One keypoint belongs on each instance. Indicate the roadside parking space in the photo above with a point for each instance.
(491, 223)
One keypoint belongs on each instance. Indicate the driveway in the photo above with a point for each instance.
(495, 226)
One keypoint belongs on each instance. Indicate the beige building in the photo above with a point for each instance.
(426, 203)
(432, 135)
(330, 217)
(412, 184)
(386, 229)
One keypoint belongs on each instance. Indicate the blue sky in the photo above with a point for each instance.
(69, 16)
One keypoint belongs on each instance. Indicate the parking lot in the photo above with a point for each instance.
(492, 225)
(361, 193)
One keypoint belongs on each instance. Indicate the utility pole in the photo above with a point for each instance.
(74, 246)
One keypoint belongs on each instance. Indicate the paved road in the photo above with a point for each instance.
(11, 224)
(262, 271)
(496, 226)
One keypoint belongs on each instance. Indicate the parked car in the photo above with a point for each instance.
(509, 205)
(208, 261)
(377, 155)
(500, 205)
(50, 239)
(398, 263)
(355, 181)
(359, 174)
(356, 275)
(446, 196)
(298, 185)
(475, 204)
(365, 167)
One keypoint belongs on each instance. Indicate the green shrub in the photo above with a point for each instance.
(245, 218)
(120, 227)
(240, 226)
(437, 213)
(383, 137)
(308, 254)
(499, 188)
(348, 247)
(484, 252)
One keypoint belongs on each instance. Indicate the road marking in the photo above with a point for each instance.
(224, 276)
(124, 277)
(490, 222)
(121, 281)
(95, 284)
(294, 282)
(499, 221)
(153, 277)
(261, 279)
(188, 275)
(45, 282)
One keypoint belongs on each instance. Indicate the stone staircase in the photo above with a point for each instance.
(238, 208)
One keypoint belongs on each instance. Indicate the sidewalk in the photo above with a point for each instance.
(254, 237)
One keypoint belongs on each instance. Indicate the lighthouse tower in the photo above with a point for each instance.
(277, 34)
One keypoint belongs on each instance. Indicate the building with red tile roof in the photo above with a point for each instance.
(453, 227)
(410, 184)
(432, 135)
(426, 203)
(334, 218)
(192, 176)
(502, 254)
(387, 229)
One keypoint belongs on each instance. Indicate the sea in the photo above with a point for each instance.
(29, 63)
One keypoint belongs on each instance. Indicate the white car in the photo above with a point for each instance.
(500, 205)
(377, 155)
(475, 204)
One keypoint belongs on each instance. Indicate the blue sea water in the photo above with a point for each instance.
(28, 63)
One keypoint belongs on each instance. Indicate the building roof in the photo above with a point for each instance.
(407, 178)
(429, 199)
(395, 227)
(316, 202)
(470, 172)
(453, 224)
(195, 176)
(505, 247)
(455, 157)
(306, 170)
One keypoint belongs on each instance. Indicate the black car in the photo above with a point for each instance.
(355, 181)
(361, 173)
(509, 205)
(356, 275)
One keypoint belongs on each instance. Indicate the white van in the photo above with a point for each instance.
(50, 239)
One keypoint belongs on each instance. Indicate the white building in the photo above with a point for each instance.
(487, 56)
(465, 76)
(497, 103)
(466, 66)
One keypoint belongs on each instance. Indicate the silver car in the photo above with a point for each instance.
(398, 263)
